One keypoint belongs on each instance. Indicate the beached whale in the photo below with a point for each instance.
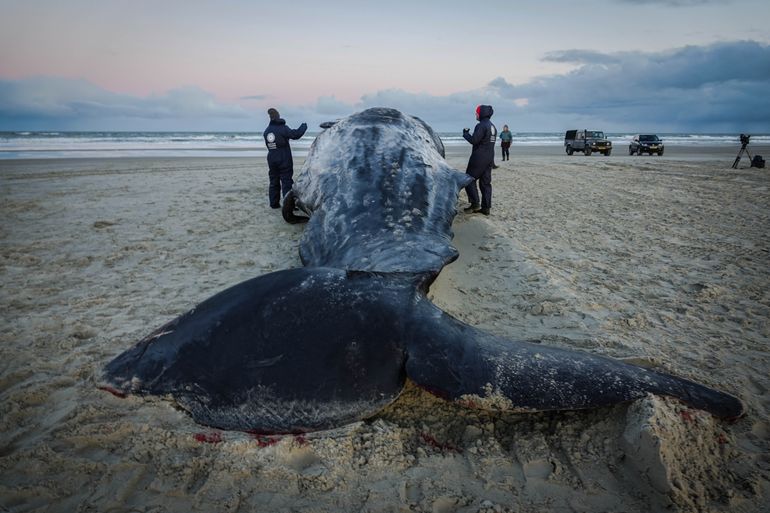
(320, 346)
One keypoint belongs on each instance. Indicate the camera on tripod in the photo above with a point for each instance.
(756, 161)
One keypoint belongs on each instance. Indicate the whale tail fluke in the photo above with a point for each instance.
(287, 352)
(315, 348)
(462, 363)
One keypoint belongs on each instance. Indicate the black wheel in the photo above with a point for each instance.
(570, 151)
(587, 152)
(660, 152)
(607, 153)
(639, 151)
(630, 150)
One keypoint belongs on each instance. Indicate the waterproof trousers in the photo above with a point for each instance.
(280, 183)
(485, 184)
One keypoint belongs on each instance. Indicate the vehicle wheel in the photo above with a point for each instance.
(570, 151)
(660, 152)
(607, 153)
(587, 152)
(639, 151)
(630, 151)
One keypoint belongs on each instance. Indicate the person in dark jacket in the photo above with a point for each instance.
(481, 161)
(279, 162)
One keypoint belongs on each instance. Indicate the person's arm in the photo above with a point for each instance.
(478, 135)
(297, 132)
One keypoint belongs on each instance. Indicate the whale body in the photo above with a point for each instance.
(334, 341)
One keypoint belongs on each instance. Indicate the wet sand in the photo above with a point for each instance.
(662, 260)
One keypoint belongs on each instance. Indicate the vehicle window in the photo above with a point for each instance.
(597, 135)
(649, 138)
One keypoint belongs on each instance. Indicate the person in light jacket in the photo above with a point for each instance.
(505, 142)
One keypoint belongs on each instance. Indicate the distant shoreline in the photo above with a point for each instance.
(689, 152)
(48, 145)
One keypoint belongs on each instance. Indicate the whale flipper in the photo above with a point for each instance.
(288, 208)
(459, 362)
(290, 351)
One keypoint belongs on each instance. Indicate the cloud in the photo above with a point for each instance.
(715, 88)
(580, 57)
(329, 105)
(255, 97)
(719, 87)
(709, 88)
(60, 103)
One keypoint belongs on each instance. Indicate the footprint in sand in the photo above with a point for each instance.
(761, 430)
(538, 469)
(301, 459)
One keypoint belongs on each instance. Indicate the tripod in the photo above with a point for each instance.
(744, 144)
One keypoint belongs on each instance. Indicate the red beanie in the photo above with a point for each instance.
(478, 111)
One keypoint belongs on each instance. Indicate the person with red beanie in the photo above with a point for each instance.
(481, 161)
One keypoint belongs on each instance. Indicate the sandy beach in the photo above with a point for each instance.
(664, 261)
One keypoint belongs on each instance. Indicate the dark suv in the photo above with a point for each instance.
(586, 141)
(645, 143)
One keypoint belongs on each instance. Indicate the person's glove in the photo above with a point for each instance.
(303, 125)
(466, 130)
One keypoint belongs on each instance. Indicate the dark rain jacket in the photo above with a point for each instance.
(483, 141)
(277, 136)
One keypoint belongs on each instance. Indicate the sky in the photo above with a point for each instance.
(616, 65)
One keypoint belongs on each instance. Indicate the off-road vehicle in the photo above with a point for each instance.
(586, 141)
(645, 143)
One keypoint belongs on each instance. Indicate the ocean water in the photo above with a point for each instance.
(32, 145)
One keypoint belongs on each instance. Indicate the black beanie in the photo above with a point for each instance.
(273, 114)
